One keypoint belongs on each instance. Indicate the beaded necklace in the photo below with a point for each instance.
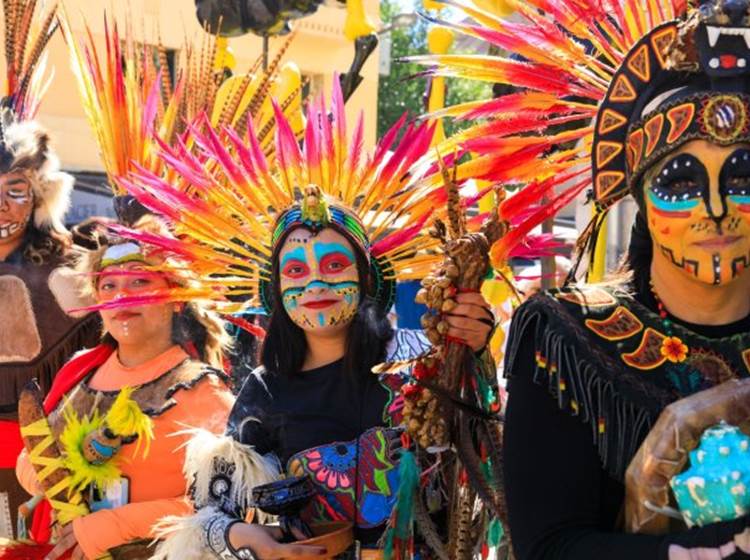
(672, 347)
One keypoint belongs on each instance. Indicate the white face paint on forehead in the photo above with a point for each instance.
(319, 281)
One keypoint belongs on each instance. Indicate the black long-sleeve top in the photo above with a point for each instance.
(562, 503)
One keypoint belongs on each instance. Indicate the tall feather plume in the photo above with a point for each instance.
(27, 32)
(540, 135)
(131, 102)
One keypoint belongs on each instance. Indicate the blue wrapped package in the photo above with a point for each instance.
(716, 486)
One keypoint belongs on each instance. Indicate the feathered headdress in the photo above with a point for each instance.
(230, 204)
(576, 67)
(133, 103)
(24, 144)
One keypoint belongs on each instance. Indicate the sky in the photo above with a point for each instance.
(416, 5)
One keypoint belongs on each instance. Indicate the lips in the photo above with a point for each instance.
(320, 303)
(6, 230)
(718, 242)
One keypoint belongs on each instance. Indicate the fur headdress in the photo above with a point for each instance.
(24, 144)
(26, 148)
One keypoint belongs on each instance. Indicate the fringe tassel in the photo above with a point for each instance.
(85, 334)
(586, 383)
(250, 467)
(399, 537)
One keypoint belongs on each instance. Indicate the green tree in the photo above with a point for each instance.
(403, 90)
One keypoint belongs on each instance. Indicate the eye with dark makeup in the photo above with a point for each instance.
(735, 174)
(680, 178)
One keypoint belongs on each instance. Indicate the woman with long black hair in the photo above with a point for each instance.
(314, 404)
(320, 246)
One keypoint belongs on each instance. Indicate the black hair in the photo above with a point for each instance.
(640, 253)
(285, 347)
(41, 246)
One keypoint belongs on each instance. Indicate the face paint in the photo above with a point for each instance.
(16, 205)
(137, 323)
(318, 279)
(698, 207)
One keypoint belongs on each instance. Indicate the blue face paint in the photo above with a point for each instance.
(320, 284)
(297, 254)
(669, 205)
(322, 249)
(331, 274)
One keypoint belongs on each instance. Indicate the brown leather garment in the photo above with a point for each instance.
(45, 336)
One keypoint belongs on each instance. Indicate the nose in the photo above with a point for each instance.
(736, 10)
(4, 204)
(716, 206)
(316, 286)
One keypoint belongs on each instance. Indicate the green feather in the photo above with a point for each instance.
(402, 519)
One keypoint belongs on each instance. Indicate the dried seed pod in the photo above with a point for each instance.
(448, 305)
(443, 282)
(421, 296)
(451, 271)
(436, 293)
(433, 335)
(442, 328)
(429, 321)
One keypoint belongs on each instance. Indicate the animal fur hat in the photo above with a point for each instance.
(25, 146)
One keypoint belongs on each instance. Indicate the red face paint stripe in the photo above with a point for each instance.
(665, 214)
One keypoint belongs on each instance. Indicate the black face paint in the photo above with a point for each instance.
(734, 179)
(680, 179)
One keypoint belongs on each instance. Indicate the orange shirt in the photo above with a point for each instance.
(157, 484)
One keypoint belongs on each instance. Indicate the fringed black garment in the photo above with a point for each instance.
(590, 369)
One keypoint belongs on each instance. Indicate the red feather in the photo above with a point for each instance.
(255, 330)
(399, 238)
(502, 248)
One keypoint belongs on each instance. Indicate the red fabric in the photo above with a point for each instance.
(23, 551)
(73, 373)
(41, 523)
(11, 444)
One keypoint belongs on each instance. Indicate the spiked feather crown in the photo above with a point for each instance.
(230, 204)
(133, 103)
(602, 90)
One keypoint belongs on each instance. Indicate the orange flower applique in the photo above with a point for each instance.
(674, 350)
